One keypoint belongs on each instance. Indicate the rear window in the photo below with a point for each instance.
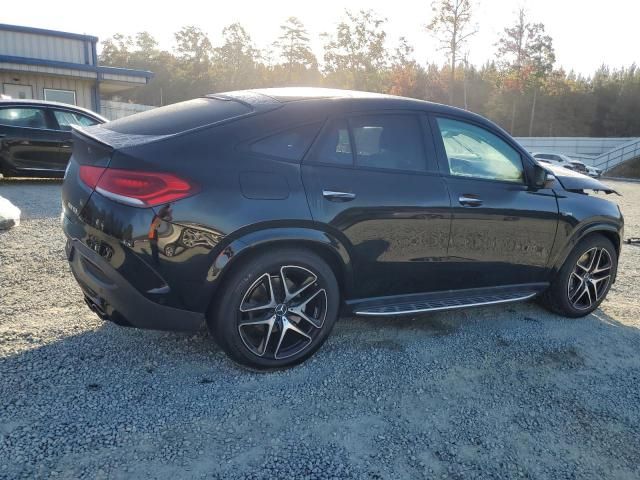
(290, 144)
(179, 117)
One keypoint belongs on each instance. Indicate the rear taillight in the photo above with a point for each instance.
(136, 188)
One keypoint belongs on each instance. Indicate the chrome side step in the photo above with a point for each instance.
(446, 300)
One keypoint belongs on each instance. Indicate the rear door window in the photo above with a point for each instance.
(289, 145)
(391, 141)
(66, 118)
(23, 117)
(334, 147)
(179, 117)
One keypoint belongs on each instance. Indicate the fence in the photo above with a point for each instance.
(603, 153)
(113, 110)
(618, 155)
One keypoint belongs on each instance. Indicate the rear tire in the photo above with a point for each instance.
(275, 310)
(584, 279)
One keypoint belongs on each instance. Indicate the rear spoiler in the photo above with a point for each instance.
(113, 139)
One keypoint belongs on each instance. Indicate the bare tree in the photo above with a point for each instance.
(511, 53)
(452, 25)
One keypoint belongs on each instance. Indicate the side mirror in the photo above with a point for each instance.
(542, 178)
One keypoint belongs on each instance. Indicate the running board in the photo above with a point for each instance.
(445, 300)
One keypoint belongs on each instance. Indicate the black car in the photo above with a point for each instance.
(35, 136)
(266, 213)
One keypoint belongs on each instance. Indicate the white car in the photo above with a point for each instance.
(594, 172)
(565, 161)
(558, 159)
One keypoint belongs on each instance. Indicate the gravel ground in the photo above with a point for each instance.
(504, 392)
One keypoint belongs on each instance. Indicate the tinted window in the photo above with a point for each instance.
(475, 152)
(65, 119)
(23, 117)
(543, 155)
(290, 145)
(179, 117)
(335, 145)
(389, 141)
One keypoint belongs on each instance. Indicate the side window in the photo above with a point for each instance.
(475, 152)
(334, 147)
(65, 119)
(389, 141)
(23, 117)
(290, 145)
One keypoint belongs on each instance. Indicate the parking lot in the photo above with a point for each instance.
(504, 392)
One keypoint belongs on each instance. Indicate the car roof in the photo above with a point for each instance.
(562, 155)
(268, 98)
(45, 103)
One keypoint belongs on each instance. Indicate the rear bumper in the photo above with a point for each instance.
(113, 298)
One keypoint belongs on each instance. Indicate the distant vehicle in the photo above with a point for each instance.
(265, 213)
(586, 169)
(35, 136)
(594, 172)
(578, 166)
(558, 159)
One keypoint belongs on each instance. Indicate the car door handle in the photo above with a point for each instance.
(338, 196)
(469, 201)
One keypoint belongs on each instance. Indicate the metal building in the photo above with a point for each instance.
(59, 66)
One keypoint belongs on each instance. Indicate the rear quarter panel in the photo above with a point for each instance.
(237, 191)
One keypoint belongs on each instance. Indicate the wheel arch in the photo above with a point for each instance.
(608, 230)
(243, 248)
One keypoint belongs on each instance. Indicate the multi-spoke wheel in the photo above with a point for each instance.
(585, 278)
(590, 278)
(282, 312)
(277, 309)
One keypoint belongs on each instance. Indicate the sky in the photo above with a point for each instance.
(586, 33)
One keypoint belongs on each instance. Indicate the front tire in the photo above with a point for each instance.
(277, 309)
(585, 278)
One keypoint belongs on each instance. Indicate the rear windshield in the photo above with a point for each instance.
(179, 117)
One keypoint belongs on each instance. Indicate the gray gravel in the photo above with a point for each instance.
(503, 392)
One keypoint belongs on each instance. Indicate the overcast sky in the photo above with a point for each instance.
(586, 33)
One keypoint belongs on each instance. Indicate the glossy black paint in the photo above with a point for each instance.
(38, 152)
(403, 233)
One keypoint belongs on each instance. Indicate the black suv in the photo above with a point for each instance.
(265, 213)
(35, 136)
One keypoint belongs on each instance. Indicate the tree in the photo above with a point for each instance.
(194, 60)
(540, 60)
(236, 58)
(522, 77)
(142, 52)
(511, 55)
(293, 46)
(452, 24)
(355, 55)
(407, 78)
(527, 56)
